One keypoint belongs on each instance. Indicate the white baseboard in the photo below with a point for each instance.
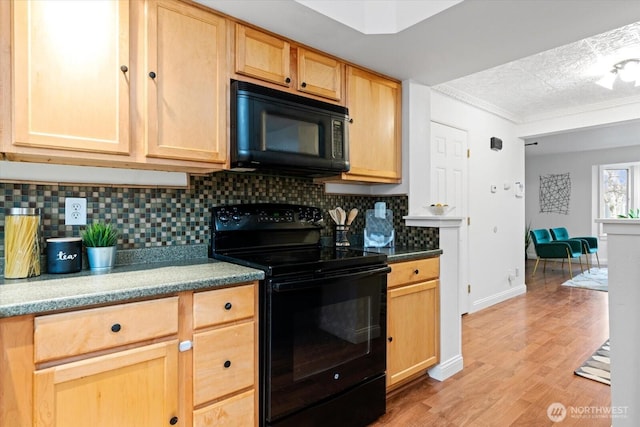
(496, 298)
(446, 369)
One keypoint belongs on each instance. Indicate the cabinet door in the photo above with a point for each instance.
(319, 75)
(413, 330)
(262, 56)
(137, 387)
(186, 83)
(374, 136)
(71, 77)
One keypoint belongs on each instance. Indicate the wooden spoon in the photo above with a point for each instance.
(334, 215)
(352, 215)
(342, 215)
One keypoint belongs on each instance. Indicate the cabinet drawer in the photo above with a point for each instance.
(84, 331)
(413, 271)
(237, 411)
(223, 305)
(223, 361)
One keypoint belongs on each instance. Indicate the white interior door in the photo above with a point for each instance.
(449, 184)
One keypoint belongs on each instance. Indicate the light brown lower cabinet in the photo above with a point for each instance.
(136, 387)
(413, 320)
(236, 411)
(111, 367)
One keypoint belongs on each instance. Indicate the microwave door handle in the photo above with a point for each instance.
(321, 281)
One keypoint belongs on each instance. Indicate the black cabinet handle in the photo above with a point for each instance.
(173, 421)
(116, 327)
(287, 80)
(350, 120)
(152, 75)
(304, 84)
(417, 271)
(228, 306)
(124, 68)
(227, 363)
(390, 339)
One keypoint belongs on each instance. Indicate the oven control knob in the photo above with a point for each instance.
(236, 217)
(223, 216)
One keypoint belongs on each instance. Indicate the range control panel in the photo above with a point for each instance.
(262, 216)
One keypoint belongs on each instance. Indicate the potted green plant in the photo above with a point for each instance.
(100, 239)
(633, 214)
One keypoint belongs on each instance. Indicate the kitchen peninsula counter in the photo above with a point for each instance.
(54, 292)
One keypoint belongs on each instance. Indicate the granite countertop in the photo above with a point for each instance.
(54, 292)
(51, 292)
(402, 253)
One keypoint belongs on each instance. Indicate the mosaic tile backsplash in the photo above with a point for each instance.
(152, 217)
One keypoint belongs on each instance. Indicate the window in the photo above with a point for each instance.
(619, 189)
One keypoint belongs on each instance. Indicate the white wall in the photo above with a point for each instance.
(496, 233)
(579, 165)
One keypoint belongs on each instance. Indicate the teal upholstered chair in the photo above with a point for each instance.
(589, 243)
(547, 248)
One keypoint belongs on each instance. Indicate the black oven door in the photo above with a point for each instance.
(323, 336)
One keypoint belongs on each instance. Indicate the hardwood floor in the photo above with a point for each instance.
(519, 357)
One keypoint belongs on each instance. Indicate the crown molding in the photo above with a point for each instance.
(587, 108)
(554, 114)
(476, 102)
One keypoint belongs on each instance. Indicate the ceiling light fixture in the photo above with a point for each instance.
(628, 71)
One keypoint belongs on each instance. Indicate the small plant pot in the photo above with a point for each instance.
(101, 258)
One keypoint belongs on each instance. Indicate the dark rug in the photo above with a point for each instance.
(597, 367)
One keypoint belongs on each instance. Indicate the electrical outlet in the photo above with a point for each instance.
(75, 211)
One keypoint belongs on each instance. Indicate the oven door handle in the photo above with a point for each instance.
(320, 281)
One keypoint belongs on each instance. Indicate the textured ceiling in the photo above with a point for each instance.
(554, 82)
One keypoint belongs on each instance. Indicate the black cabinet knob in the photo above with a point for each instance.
(173, 421)
(124, 68)
(116, 327)
(417, 271)
(390, 339)
(304, 84)
(287, 80)
(227, 363)
(228, 306)
(152, 75)
(350, 120)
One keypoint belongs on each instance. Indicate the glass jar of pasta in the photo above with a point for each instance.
(21, 243)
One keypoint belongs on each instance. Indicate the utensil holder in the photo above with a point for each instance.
(341, 235)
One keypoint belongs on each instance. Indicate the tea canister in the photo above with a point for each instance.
(64, 254)
(21, 243)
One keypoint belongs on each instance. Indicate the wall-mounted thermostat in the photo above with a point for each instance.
(496, 143)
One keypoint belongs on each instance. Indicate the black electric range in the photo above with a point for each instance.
(322, 320)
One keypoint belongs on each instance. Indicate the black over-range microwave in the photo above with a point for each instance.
(283, 132)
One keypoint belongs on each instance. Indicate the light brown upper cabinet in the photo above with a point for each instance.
(185, 76)
(138, 84)
(319, 75)
(262, 56)
(272, 59)
(375, 143)
(70, 75)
